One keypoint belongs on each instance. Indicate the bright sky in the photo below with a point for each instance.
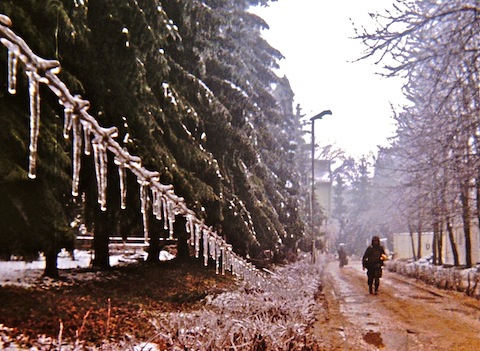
(315, 38)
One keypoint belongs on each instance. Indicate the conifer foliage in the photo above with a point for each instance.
(188, 84)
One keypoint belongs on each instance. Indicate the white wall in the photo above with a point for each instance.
(402, 245)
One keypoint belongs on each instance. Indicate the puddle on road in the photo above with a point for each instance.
(374, 338)
(390, 340)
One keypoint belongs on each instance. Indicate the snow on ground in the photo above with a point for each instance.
(22, 273)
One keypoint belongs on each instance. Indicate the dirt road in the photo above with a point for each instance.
(405, 315)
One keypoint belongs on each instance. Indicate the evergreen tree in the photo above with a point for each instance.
(188, 84)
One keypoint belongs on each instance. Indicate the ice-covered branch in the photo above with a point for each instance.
(165, 204)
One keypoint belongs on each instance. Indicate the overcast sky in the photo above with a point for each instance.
(315, 38)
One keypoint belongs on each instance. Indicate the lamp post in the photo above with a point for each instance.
(312, 194)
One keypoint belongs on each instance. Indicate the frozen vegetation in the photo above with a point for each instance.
(274, 314)
(453, 278)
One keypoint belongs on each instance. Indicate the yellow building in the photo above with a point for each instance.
(323, 186)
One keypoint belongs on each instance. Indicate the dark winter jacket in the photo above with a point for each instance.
(372, 257)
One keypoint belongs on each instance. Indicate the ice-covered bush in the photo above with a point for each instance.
(274, 315)
(450, 278)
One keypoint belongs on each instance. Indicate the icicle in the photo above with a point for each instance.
(156, 204)
(145, 226)
(165, 213)
(171, 218)
(13, 55)
(189, 227)
(234, 265)
(212, 246)
(224, 258)
(87, 131)
(33, 85)
(12, 71)
(230, 258)
(100, 159)
(122, 176)
(198, 234)
(144, 206)
(67, 120)
(77, 153)
(143, 196)
(217, 256)
(205, 246)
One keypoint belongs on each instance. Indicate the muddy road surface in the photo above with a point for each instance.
(405, 315)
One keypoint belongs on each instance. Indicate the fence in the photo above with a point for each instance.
(89, 135)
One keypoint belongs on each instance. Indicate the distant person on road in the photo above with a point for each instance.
(373, 261)
(342, 256)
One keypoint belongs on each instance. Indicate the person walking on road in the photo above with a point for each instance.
(342, 256)
(373, 261)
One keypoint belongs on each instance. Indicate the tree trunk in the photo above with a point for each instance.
(413, 242)
(155, 228)
(419, 240)
(101, 239)
(437, 242)
(51, 268)
(183, 251)
(466, 226)
(440, 246)
(452, 243)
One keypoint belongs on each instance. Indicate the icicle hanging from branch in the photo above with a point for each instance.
(100, 160)
(33, 86)
(190, 228)
(144, 205)
(122, 179)
(171, 218)
(12, 69)
(156, 204)
(87, 144)
(67, 118)
(101, 140)
(198, 235)
(206, 233)
(165, 212)
(217, 256)
(77, 152)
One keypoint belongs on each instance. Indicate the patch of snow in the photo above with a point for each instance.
(22, 273)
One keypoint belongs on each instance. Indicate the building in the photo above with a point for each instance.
(403, 243)
(323, 186)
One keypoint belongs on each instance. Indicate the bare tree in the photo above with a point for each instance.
(435, 46)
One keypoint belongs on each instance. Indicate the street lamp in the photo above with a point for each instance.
(312, 194)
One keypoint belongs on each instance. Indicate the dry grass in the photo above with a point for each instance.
(107, 306)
